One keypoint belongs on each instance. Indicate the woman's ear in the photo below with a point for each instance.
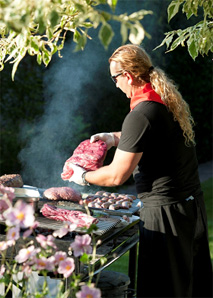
(130, 78)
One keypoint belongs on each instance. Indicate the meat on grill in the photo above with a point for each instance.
(89, 156)
(62, 193)
(107, 200)
(11, 180)
(77, 217)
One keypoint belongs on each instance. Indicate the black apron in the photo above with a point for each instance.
(174, 258)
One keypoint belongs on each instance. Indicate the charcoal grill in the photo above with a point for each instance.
(114, 240)
(103, 225)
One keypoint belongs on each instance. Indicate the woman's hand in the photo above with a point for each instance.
(77, 176)
(108, 138)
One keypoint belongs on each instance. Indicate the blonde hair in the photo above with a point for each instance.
(136, 61)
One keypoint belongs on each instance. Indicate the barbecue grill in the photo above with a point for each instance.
(115, 239)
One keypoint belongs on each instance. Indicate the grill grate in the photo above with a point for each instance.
(104, 225)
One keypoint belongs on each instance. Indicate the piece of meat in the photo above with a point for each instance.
(62, 193)
(89, 156)
(77, 217)
(11, 180)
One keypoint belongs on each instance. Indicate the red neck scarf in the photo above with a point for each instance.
(145, 94)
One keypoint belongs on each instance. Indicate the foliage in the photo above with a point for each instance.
(39, 28)
(199, 37)
(21, 254)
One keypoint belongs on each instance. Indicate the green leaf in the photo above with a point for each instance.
(137, 33)
(54, 17)
(192, 49)
(39, 58)
(84, 258)
(173, 8)
(124, 32)
(34, 45)
(46, 57)
(112, 4)
(106, 34)
(81, 42)
(87, 24)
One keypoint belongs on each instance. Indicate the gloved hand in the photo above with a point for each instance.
(107, 137)
(77, 175)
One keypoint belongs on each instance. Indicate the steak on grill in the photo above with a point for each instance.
(77, 217)
(89, 156)
(62, 193)
(11, 180)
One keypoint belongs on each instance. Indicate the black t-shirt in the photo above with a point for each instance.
(168, 168)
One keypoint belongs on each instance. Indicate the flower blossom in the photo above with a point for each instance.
(22, 214)
(66, 267)
(68, 227)
(2, 270)
(81, 245)
(13, 234)
(41, 263)
(3, 245)
(26, 253)
(28, 232)
(8, 192)
(27, 270)
(46, 241)
(60, 256)
(88, 292)
(6, 199)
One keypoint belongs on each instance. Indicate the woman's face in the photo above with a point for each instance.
(122, 81)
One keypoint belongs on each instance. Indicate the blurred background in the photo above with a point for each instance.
(46, 112)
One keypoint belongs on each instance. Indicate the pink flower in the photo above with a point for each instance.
(3, 245)
(81, 245)
(27, 270)
(41, 263)
(88, 292)
(60, 256)
(8, 192)
(26, 253)
(28, 232)
(66, 267)
(50, 263)
(68, 227)
(46, 241)
(13, 234)
(2, 270)
(21, 215)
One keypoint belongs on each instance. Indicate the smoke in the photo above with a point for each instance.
(50, 139)
(56, 132)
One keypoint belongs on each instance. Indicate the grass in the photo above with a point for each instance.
(121, 265)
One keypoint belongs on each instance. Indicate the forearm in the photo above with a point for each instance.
(117, 172)
(105, 176)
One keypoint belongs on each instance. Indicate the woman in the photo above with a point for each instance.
(157, 145)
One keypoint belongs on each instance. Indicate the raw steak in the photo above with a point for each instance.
(62, 193)
(89, 156)
(77, 217)
(11, 180)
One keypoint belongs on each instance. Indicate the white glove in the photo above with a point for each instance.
(77, 175)
(107, 137)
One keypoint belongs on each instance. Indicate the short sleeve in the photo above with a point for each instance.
(135, 132)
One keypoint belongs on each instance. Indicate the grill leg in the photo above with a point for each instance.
(132, 266)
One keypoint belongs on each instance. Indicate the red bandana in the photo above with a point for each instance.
(145, 94)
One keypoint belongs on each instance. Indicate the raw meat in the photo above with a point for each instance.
(89, 156)
(107, 200)
(11, 180)
(62, 193)
(77, 217)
